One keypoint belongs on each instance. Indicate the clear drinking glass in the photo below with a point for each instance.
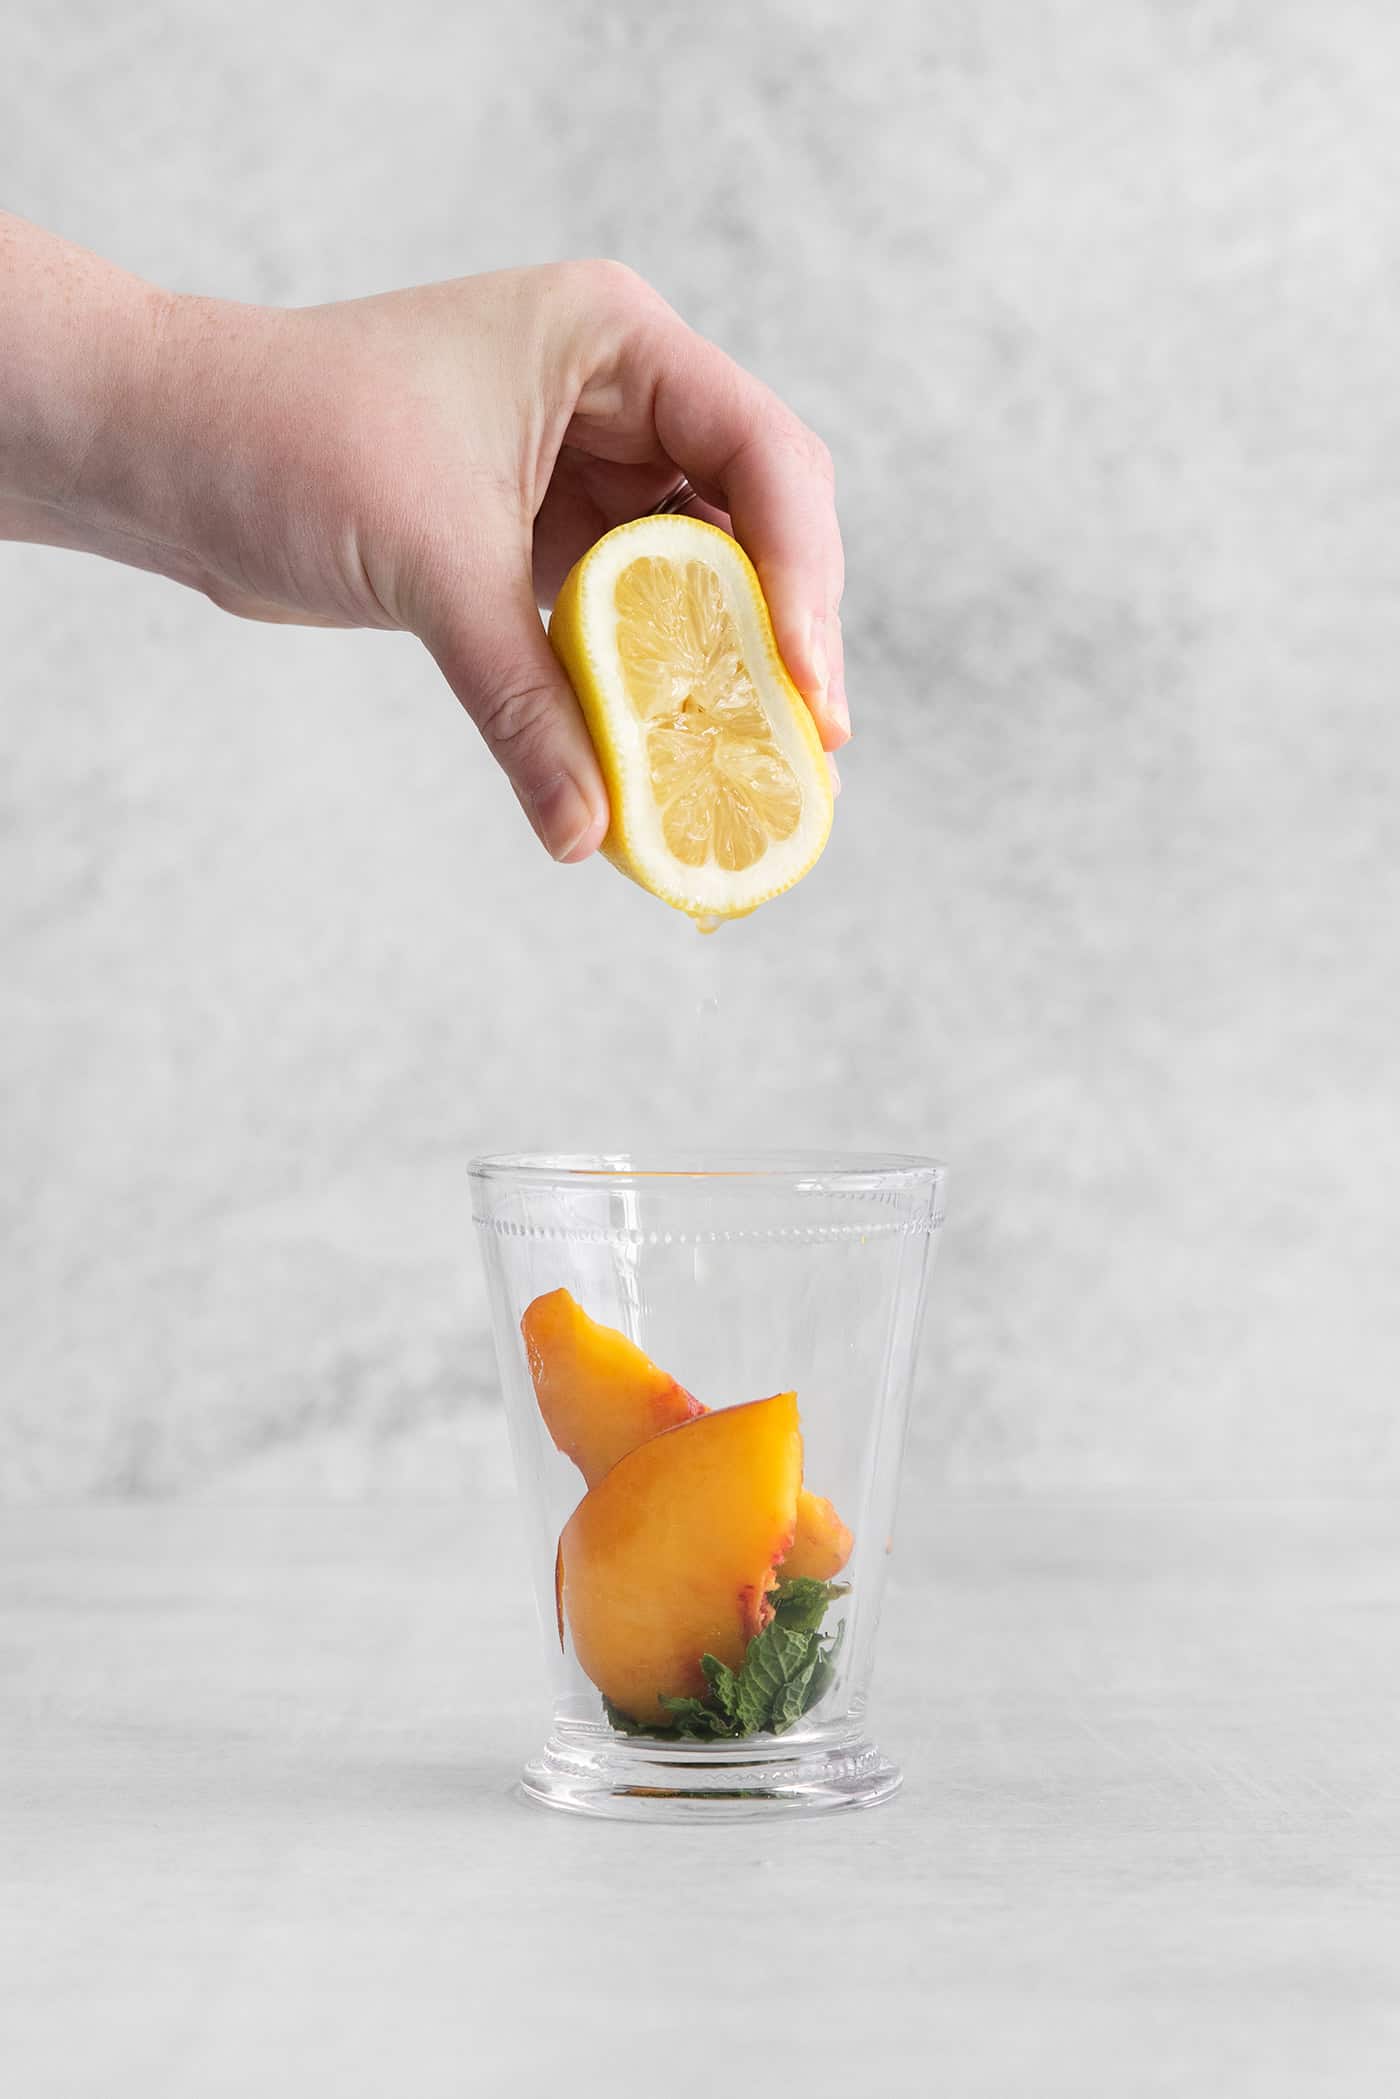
(742, 1280)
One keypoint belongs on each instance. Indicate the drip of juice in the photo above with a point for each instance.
(705, 1049)
(708, 923)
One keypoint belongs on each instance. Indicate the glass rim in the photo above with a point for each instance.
(792, 1172)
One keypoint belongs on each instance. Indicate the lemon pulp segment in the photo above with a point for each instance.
(723, 789)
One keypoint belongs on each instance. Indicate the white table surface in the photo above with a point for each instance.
(257, 1832)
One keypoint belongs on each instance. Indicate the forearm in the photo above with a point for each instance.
(108, 403)
(78, 347)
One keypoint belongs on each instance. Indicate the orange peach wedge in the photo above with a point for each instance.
(599, 1395)
(671, 1555)
(822, 1545)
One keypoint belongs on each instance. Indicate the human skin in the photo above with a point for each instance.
(433, 460)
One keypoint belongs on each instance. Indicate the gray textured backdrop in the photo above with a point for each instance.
(1098, 307)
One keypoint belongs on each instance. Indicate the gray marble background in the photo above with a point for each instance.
(1099, 307)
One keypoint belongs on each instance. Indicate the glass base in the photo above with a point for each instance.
(635, 1781)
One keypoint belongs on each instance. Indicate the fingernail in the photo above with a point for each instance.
(818, 662)
(564, 822)
(839, 712)
(828, 701)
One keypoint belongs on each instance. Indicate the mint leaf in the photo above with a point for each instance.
(819, 1683)
(802, 1603)
(777, 1670)
(808, 1686)
(795, 1697)
(776, 1658)
(695, 1720)
(724, 1684)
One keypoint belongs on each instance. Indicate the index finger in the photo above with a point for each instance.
(742, 447)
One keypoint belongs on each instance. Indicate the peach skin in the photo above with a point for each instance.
(671, 1555)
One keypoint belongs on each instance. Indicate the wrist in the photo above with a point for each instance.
(168, 432)
(212, 418)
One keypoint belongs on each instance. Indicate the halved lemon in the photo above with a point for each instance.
(720, 793)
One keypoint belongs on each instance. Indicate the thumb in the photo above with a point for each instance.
(494, 653)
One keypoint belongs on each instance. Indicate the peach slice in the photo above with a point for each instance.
(599, 1395)
(822, 1545)
(671, 1555)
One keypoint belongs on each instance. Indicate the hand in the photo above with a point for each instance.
(436, 460)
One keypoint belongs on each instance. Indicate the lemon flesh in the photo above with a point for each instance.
(720, 794)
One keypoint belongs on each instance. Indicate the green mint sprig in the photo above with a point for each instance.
(788, 1667)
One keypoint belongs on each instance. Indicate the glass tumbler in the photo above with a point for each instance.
(707, 1366)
